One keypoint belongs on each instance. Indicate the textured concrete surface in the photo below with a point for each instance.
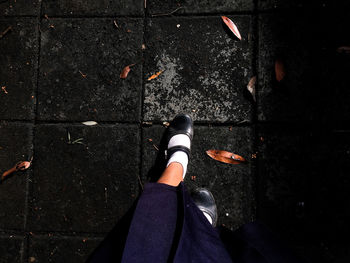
(60, 66)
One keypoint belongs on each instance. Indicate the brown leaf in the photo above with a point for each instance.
(251, 87)
(225, 157)
(3, 88)
(279, 70)
(343, 50)
(22, 165)
(126, 71)
(231, 26)
(155, 75)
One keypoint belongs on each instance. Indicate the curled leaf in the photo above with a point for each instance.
(22, 165)
(251, 87)
(89, 123)
(280, 71)
(225, 157)
(125, 71)
(231, 26)
(155, 75)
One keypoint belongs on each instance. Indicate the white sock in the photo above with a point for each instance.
(180, 139)
(179, 156)
(208, 217)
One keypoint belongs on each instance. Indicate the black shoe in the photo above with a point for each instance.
(205, 201)
(182, 124)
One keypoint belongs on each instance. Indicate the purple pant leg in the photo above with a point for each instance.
(153, 226)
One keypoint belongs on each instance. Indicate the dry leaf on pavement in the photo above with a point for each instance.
(225, 157)
(232, 26)
(126, 71)
(251, 87)
(22, 165)
(155, 75)
(280, 71)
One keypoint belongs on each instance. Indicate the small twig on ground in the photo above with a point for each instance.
(4, 89)
(83, 75)
(140, 182)
(5, 32)
(145, 4)
(115, 23)
(167, 14)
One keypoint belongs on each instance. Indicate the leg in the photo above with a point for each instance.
(172, 175)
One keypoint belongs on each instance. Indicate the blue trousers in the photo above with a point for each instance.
(167, 226)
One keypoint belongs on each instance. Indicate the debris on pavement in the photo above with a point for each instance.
(5, 32)
(232, 27)
(3, 88)
(155, 75)
(251, 87)
(79, 140)
(125, 71)
(89, 123)
(280, 71)
(343, 49)
(20, 166)
(225, 157)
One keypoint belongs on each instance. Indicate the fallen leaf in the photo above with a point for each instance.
(155, 75)
(279, 70)
(343, 50)
(126, 71)
(232, 26)
(89, 123)
(82, 74)
(251, 87)
(115, 23)
(166, 124)
(22, 165)
(225, 157)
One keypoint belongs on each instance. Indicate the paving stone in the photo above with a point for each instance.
(18, 58)
(285, 4)
(198, 7)
(80, 65)
(231, 185)
(52, 248)
(15, 146)
(11, 249)
(205, 69)
(303, 177)
(299, 96)
(93, 8)
(83, 187)
(19, 7)
(315, 86)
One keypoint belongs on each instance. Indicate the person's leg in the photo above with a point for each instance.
(172, 175)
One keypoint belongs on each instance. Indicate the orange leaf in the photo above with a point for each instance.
(125, 71)
(279, 70)
(155, 75)
(232, 26)
(225, 157)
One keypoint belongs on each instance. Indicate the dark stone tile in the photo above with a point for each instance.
(314, 4)
(205, 69)
(15, 146)
(100, 51)
(93, 8)
(19, 7)
(11, 249)
(315, 85)
(18, 58)
(198, 7)
(304, 182)
(231, 185)
(61, 249)
(83, 187)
